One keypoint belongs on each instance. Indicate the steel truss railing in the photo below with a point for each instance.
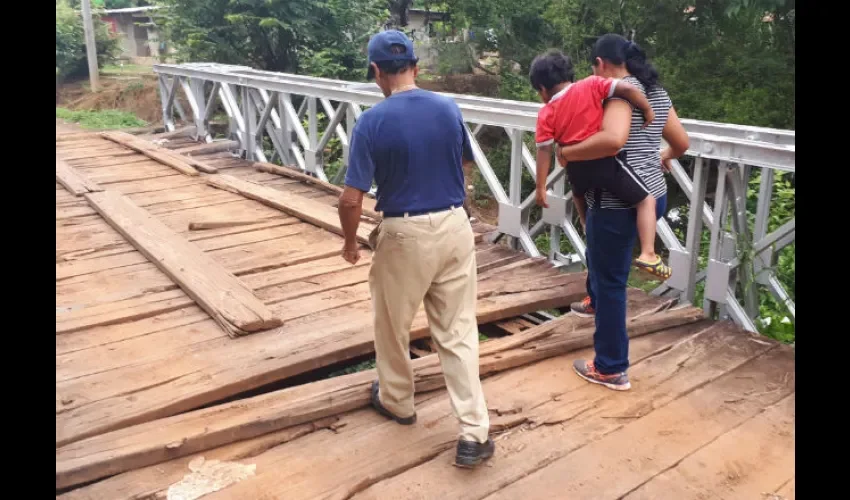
(266, 105)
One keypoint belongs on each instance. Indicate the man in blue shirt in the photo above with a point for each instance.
(413, 146)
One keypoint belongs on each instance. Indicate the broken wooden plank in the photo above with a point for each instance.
(180, 163)
(308, 179)
(164, 439)
(218, 224)
(206, 148)
(74, 181)
(305, 209)
(231, 303)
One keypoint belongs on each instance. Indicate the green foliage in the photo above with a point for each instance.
(100, 120)
(71, 46)
(727, 60)
(320, 37)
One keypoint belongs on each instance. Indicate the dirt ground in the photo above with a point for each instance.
(135, 94)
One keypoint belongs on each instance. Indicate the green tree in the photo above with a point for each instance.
(325, 36)
(71, 45)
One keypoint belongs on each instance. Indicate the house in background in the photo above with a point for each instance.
(138, 32)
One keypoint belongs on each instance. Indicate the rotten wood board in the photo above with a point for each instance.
(356, 433)
(583, 413)
(221, 294)
(246, 418)
(73, 180)
(96, 404)
(308, 210)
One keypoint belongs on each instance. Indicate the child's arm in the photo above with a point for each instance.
(581, 206)
(629, 92)
(544, 163)
(544, 137)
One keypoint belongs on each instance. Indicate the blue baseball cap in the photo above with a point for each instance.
(381, 49)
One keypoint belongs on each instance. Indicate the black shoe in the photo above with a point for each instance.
(470, 453)
(376, 403)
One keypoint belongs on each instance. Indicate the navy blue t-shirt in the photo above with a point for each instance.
(412, 144)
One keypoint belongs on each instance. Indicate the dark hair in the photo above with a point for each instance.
(550, 69)
(395, 67)
(617, 50)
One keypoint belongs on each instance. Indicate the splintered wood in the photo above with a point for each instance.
(305, 209)
(221, 294)
(192, 432)
(72, 180)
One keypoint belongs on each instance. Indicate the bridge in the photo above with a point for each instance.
(208, 333)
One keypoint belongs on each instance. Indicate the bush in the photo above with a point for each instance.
(71, 45)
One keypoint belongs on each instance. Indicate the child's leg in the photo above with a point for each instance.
(646, 228)
(581, 207)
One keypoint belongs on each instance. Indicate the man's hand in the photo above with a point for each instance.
(541, 197)
(351, 253)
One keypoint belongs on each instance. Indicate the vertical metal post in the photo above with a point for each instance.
(312, 135)
(196, 87)
(248, 117)
(91, 48)
(763, 262)
(515, 182)
(694, 234)
(717, 226)
(165, 101)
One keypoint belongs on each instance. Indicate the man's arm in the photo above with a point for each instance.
(358, 180)
(629, 92)
(350, 209)
(610, 139)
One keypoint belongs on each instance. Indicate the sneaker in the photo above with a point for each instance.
(583, 309)
(380, 408)
(469, 453)
(617, 381)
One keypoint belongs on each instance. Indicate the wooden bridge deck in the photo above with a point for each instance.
(155, 400)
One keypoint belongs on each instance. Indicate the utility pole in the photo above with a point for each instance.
(91, 50)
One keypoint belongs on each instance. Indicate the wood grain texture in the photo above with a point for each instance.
(73, 180)
(231, 303)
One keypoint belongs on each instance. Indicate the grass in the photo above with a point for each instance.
(127, 69)
(100, 120)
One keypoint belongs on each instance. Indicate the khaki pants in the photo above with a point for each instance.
(432, 258)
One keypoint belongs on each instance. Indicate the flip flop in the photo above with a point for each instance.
(657, 268)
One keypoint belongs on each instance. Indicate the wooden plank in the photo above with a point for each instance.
(147, 482)
(216, 290)
(308, 210)
(313, 181)
(746, 462)
(72, 180)
(154, 152)
(647, 446)
(232, 422)
(581, 413)
(358, 432)
(181, 382)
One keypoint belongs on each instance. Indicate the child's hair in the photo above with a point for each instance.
(550, 69)
(617, 50)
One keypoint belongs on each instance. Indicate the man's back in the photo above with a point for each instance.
(412, 144)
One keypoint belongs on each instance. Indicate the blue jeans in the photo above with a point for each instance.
(611, 236)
